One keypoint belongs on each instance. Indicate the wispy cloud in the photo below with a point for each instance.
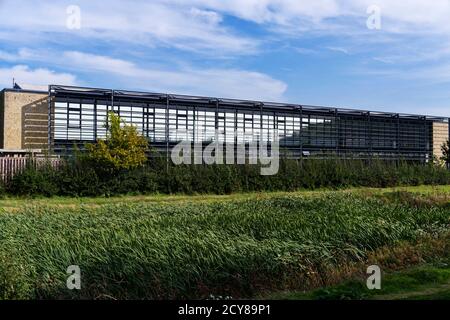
(234, 83)
(307, 51)
(140, 22)
(189, 80)
(338, 49)
(38, 78)
(199, 25)
(181, 46)
(401, 16)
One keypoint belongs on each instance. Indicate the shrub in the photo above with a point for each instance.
(446, 152)
(138, 181)
(78, 179)
(83, 178)
(124, 148)
(2, 189)
(33, 182)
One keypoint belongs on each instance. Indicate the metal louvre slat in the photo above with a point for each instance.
(317, 130)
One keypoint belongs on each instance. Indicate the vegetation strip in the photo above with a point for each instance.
(425, 282)
(434, 194)
(82, 177)
(194, 250)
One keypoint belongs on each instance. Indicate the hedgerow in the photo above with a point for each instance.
(81, 178)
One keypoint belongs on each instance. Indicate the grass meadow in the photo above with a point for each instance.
(241, 246)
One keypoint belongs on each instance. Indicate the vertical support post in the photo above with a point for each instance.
(448, 158)
(216, 127)
(216, 123)
(194, 127)
(398, 137)
(176, 123)
(275, 129)
(338, 129)
(145, 120)
(235, 147)
(300, 138)
(167, 132)
(80, 116)
(153, 123)
(369, 135)
(49, 129)
(253, 125)
(112, 100)
(67, 119)
(426, 140)
(261, 106)
(95, 120)
(112, 110)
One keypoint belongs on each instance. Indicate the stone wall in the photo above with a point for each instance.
(440, 135)
(2, 118)
(25, 123)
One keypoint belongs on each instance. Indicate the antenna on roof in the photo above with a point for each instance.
(16, 86)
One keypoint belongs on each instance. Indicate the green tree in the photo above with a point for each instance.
(446, 152)
(123, 149)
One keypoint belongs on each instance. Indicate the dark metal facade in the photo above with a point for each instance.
(78, 115)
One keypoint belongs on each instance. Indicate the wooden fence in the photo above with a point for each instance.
(10, 166)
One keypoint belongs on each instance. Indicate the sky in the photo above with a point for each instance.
(365, 54)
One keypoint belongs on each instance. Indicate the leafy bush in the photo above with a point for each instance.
(124, 148)
(33, 182)
(2, 189)
(78, 180)
(446, 152)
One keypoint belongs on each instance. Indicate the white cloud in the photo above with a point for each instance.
(270, 11)
(229, 83)
(413, 31)
(95, 63)
(400, 15)
(22, 54)
(6, 56)
(338, 49)
(38, 78)
(200, 25)
(140, 22)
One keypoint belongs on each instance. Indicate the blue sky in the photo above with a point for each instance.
(307, 52)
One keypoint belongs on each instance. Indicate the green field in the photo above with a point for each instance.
(14, 203)
(243, 246)
(425, 282)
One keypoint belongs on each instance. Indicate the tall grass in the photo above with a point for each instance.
(194, 250)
